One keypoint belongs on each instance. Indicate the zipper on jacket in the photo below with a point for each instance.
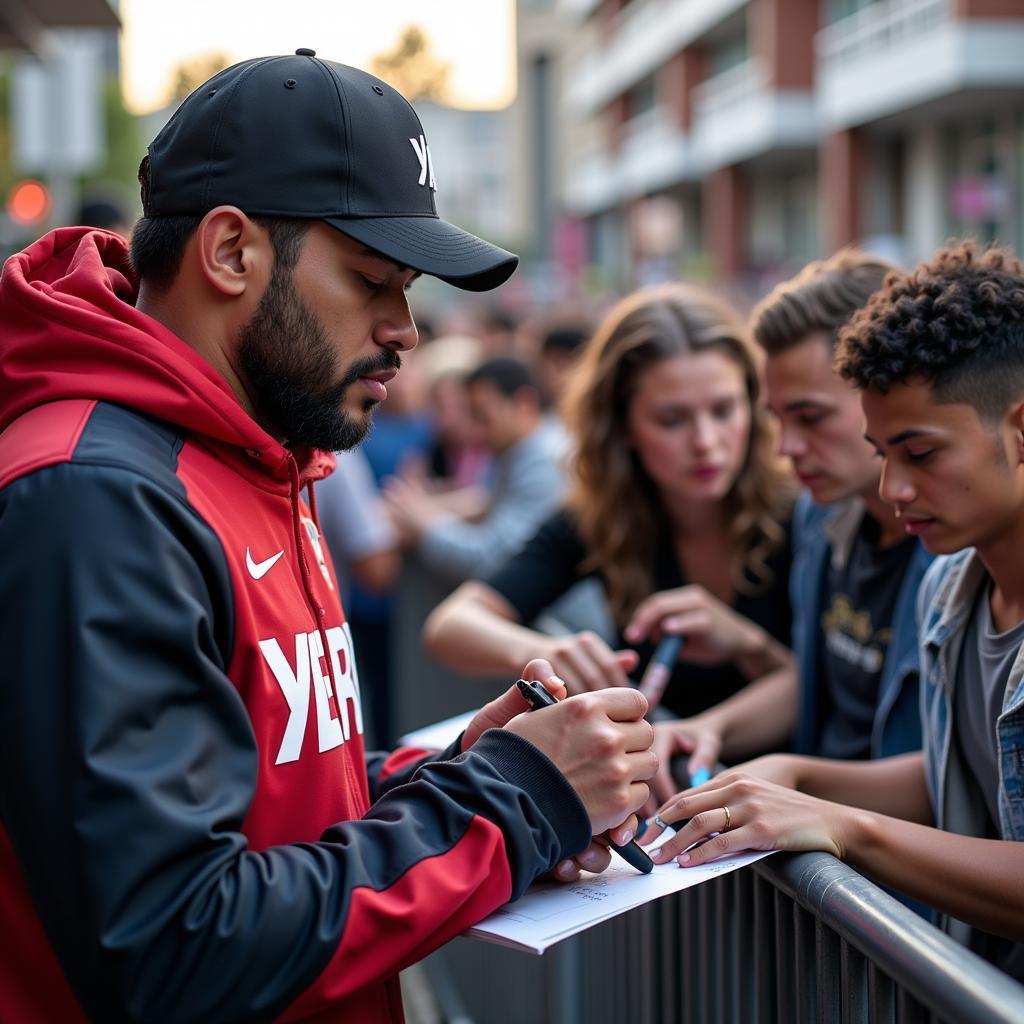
(357, 787)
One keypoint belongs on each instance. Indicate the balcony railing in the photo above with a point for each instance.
(652, 123)
(654, 153)
(606, 60)
(578, 8)
(882, 26)
(636, 20)
(730, 88)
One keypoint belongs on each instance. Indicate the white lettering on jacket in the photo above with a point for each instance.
(310, 672)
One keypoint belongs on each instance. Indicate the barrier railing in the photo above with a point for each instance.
(793, 939)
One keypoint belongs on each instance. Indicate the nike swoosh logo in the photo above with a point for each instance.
(257, 570)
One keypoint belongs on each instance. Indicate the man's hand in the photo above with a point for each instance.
(601, 744)
(502, 710)
(596, 857)
(411, 508)
(714, 632)
(585, 662)
(736, 812)
(511, 704)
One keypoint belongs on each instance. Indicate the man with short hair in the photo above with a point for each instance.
(527, 480)
(559, 352)
(855, 573)
(191, 829)
(938, 356)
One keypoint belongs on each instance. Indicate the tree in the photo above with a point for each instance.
(191, 73)
(412, 67)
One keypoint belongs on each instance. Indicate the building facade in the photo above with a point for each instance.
(740, 138)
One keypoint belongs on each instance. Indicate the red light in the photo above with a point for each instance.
(29, 203)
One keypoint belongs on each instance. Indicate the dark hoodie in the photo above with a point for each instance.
(189, 829)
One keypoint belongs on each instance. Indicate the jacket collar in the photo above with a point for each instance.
(965, 575)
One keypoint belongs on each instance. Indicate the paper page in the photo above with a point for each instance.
(438, 735)
(549, 912)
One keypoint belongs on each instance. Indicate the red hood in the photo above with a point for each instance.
(71, 330)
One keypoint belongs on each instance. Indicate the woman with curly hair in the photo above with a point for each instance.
(676, 503)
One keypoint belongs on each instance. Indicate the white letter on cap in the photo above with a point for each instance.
(420, 147)
(430, 164)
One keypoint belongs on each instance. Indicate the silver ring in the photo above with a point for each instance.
(660, 822)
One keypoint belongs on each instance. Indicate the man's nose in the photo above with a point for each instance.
(893, 487)
(791, 443)
(397, 330)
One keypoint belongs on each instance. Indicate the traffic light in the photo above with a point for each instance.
(29, 203)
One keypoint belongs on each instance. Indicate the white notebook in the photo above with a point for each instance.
(549, 912)
(439, 735)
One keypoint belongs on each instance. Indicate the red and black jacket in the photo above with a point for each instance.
(191, 829)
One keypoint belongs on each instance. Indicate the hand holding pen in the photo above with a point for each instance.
(538, 697)
(601, 744)
(584, 661)
(715, 633)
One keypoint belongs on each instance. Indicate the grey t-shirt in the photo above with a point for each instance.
(980, 686)
(985, 665)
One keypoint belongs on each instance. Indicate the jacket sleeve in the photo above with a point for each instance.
(461, 550)
(128, 763)
(387, 769)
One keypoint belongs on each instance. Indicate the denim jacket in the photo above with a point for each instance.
(822, 535)
(945, 602)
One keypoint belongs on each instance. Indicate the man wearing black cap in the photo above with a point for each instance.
(191, 829)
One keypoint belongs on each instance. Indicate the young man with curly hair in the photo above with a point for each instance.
(938, 355)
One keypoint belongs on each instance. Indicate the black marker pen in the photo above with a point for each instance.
(538, 697)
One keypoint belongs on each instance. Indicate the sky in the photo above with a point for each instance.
(475, 36)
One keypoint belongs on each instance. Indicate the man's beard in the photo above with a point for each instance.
(288, 363)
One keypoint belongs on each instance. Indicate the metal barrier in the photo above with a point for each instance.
(792, 939)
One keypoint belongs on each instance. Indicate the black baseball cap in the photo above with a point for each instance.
(298, 136)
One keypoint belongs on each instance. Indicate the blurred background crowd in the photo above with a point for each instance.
(612, 143)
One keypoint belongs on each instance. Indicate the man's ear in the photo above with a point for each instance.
(1016, 421)
(234, 253)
